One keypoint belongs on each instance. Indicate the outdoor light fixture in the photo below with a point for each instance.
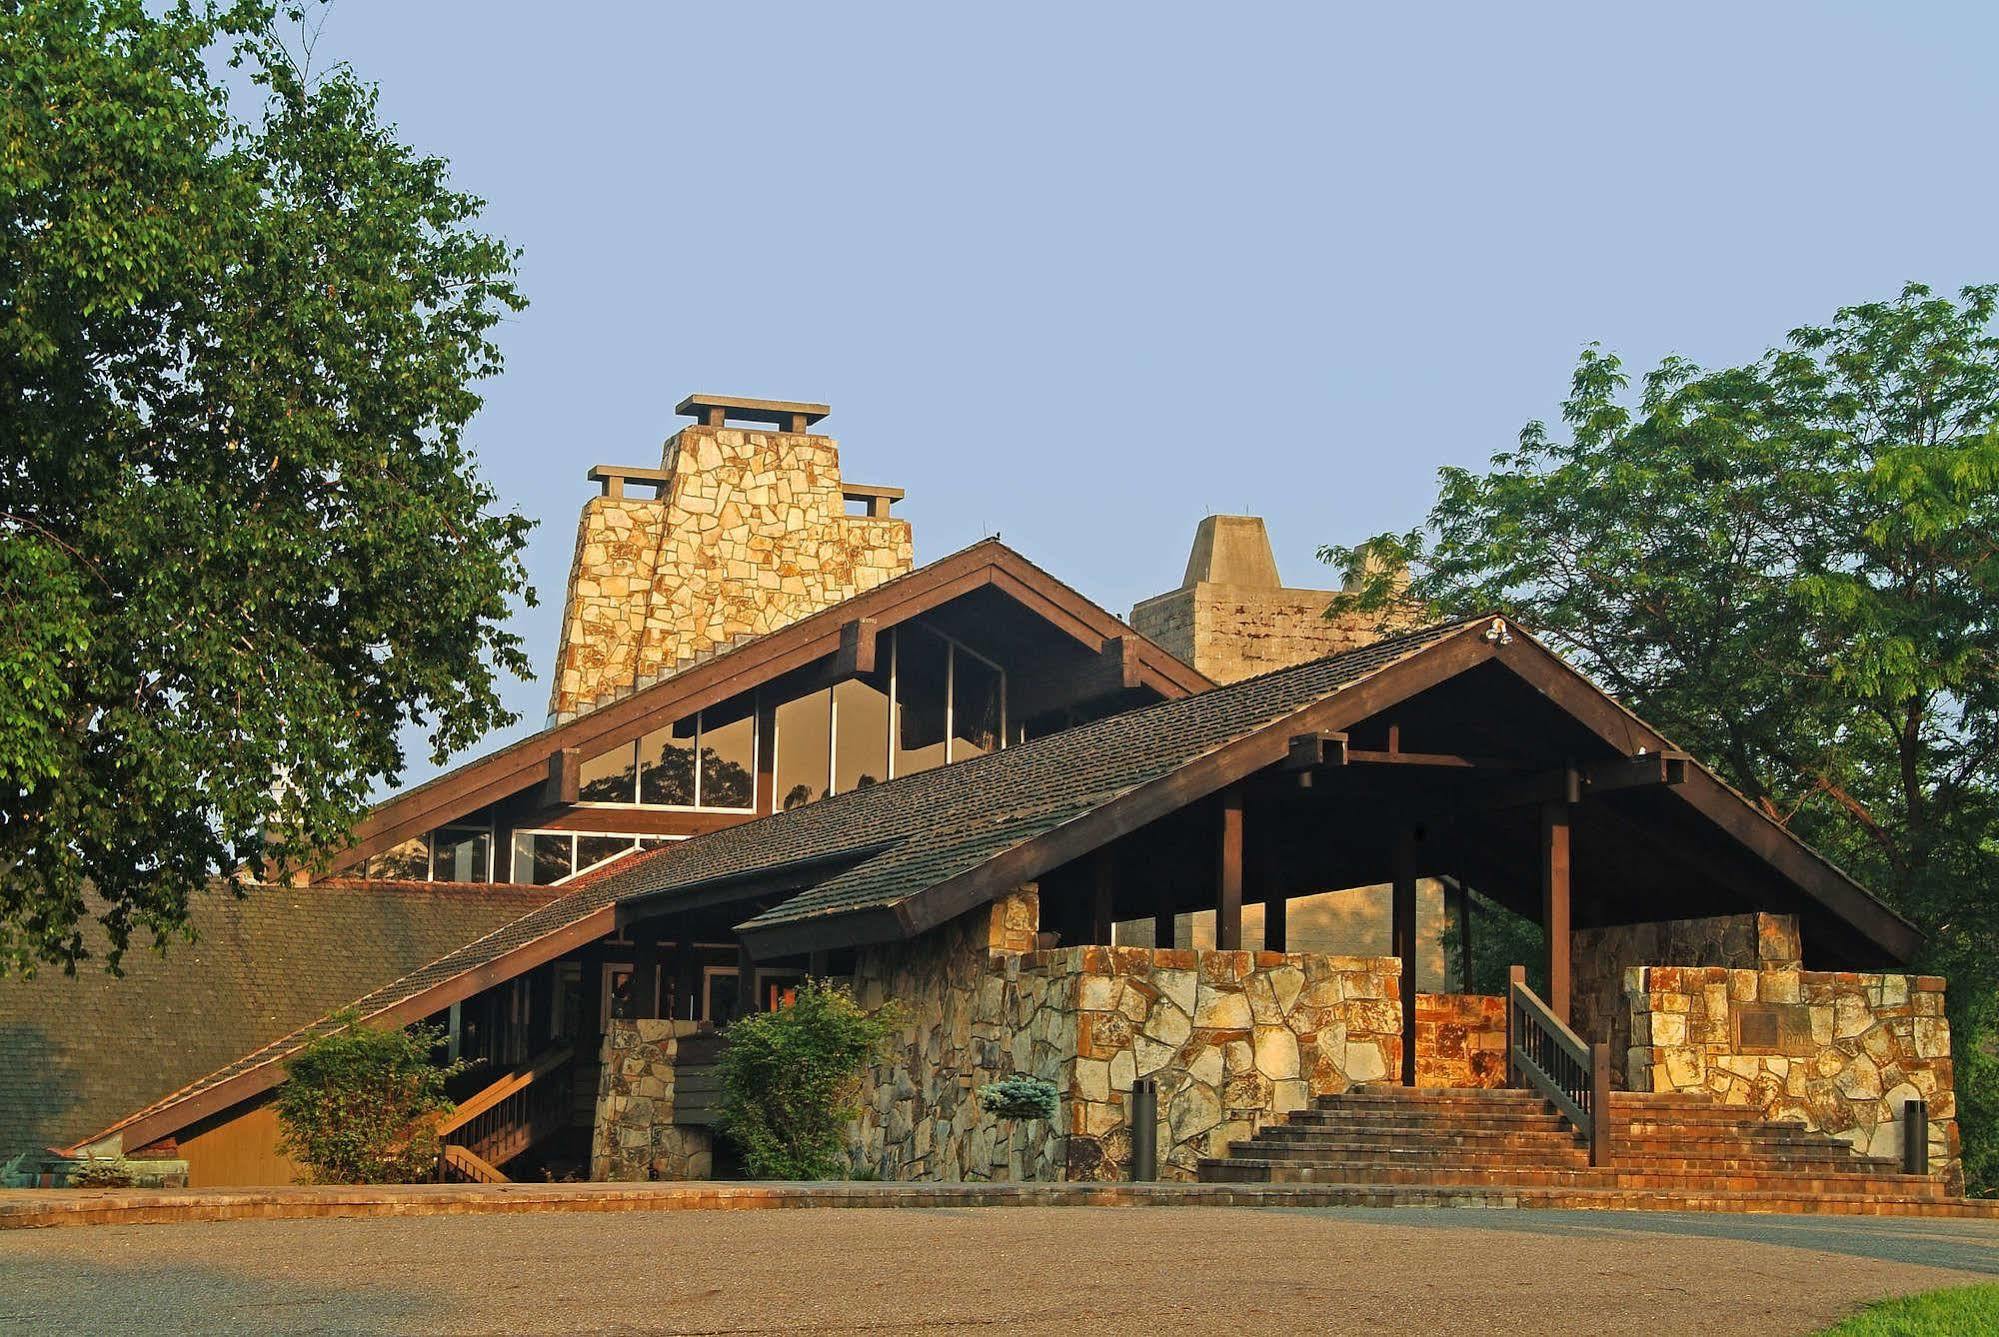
(1498, 632)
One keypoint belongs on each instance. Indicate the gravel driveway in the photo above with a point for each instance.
(1015, 1269)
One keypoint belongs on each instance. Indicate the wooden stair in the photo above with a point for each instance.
(523, 1107)
(1666, 1149)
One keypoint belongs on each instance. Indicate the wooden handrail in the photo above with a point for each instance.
(518, 1080)
(1554, 1060)
(474, 1167)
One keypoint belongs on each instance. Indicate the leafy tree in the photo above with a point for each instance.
(1793, 568)
(790, 1080)
(241, 541)
(361, 1106)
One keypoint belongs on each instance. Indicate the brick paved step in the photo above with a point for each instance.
(1262, 1169)
(1426, 1107)
(1428, 1121)
(1279, 1143)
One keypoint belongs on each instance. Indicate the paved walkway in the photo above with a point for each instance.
(1031, 1269)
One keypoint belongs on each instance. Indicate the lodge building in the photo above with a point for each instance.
(1229, 846)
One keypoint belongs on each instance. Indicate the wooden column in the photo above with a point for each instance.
(746, 981)
(645, 970)
(1228, 875)
(1162, 929)
(1457, 904)
(1555, 902)
(1403, 936)
(1274, 930)
(1103, 897)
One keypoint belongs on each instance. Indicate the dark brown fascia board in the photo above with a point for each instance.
(492, 778)
(1546, 672)
(1421, 669)
(147, 1127)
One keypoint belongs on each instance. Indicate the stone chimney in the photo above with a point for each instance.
(744, 530)
(1232, 618)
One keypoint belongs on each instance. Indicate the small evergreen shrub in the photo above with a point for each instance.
(361, 1105)
(790, 1081)
(99, 1172)
(1019, 1097)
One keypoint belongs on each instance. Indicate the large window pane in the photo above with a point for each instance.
(975, 706)
(801, 751)
(666, 765)
(860, 731)
(461, 856)
(610, 778)
(920, 659)
(541, 858)
(729, 754)
(593, 850)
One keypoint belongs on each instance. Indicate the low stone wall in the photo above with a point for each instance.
(1235, 1039)
(1840, 1052)
(1601, 956)
(633, 1135)
(1460, 1039)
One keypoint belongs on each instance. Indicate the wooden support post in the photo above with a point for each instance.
(1274, 929)
(1403, 935)
(1457, 902)
(1555, 903)
(1228, 875)
(1162, 929)
(645, 971)
(1103, 898)
(749, 997)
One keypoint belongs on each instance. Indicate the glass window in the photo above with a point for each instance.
(541, 857)
(610, 778)
(461, 855)
(860, 732)
(408, 862)
(666, 765)
(922, 662)
(593, 850)
(975, 705)
(802, 750)
(729, 754)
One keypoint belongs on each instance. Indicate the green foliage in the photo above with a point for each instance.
(1500, 940)
(12, 1175)
(360, 1105)
(99, 1172)
(1965, 1311)
(242, 544)
(1019, 1097)
(1792, 567)
(790, 1080)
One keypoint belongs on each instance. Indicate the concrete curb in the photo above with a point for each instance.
(32, 1208)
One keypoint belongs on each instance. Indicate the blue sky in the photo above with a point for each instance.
(1082, 274)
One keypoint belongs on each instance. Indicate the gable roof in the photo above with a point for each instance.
(902, 856)
(986, 563)
(78, 1052)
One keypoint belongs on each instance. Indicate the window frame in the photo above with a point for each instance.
(468, 828)
(575, 835)
(755, 718)
(953, 647)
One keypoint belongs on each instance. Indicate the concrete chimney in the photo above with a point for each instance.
(744, 530)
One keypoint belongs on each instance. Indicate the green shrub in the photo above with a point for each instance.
(1019, 1097)
(361, 1105)
(790, 1081)
(99, 1172)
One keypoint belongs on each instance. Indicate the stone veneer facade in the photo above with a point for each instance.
(1601, 956)
(1235, 1040)
(1852, 1049)
(749, 533)
(634, 1135)
(1460, 1039)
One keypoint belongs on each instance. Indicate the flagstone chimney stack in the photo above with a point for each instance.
(1232, 618)
(739, 531)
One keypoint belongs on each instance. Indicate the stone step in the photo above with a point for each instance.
(1269, 1170)
(1415, 1121)
(1390, 1138)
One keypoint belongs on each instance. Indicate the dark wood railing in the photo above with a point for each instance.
(1544, 1054)
(508, 1117)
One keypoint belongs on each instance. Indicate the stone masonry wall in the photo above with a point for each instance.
(633, 1135)
(1235, 1039)
(1851, 1049)
(970, 1015)
(1232, 632)
(749, 534)
(1460, 1039)
(1601, 956)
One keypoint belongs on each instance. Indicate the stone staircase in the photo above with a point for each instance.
(1670, 1152)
